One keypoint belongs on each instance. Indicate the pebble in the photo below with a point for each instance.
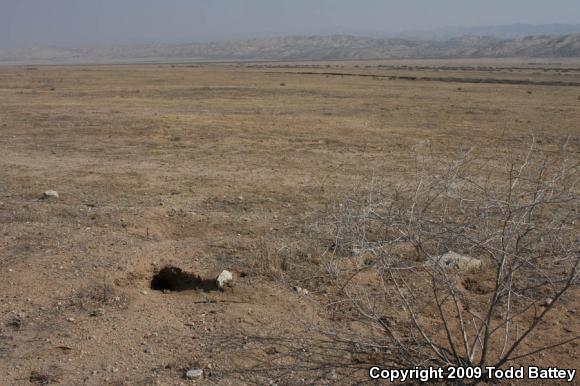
(97, 312)
(194, 373)
(332, 375)
(547, 302)
(300, 291)
(50, 194)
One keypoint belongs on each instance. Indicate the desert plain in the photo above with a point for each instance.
(229, 166)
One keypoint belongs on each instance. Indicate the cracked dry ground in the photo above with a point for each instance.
(210, 168)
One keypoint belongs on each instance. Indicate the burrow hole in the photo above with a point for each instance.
(175, 279)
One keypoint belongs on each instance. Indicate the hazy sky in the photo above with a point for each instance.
(76, 22)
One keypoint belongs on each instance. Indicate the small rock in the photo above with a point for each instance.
(300, 291)
(50, 194)
(194, 373)
(97, 312)
(16, 322)
(456, 261)
(223, 278)
(332, 374)
(147, 350)
(547, 302)
(144, 292)
(72, 320)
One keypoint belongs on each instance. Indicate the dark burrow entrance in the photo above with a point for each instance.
(175, 279)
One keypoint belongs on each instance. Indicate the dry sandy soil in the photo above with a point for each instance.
(212, 167)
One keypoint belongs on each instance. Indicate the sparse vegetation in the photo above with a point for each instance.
(325, 200)
(516, 217)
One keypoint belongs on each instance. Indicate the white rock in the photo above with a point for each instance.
(547, 302)
(50, 194)
(194, 373)
(223, 278)
(332, 374)
(300, 291)
(454, 260)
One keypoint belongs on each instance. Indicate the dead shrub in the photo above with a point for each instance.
(514, 218)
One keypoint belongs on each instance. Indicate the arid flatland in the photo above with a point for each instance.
(234, 166)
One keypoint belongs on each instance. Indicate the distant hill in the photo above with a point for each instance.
(499, 31)
(308, 48)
